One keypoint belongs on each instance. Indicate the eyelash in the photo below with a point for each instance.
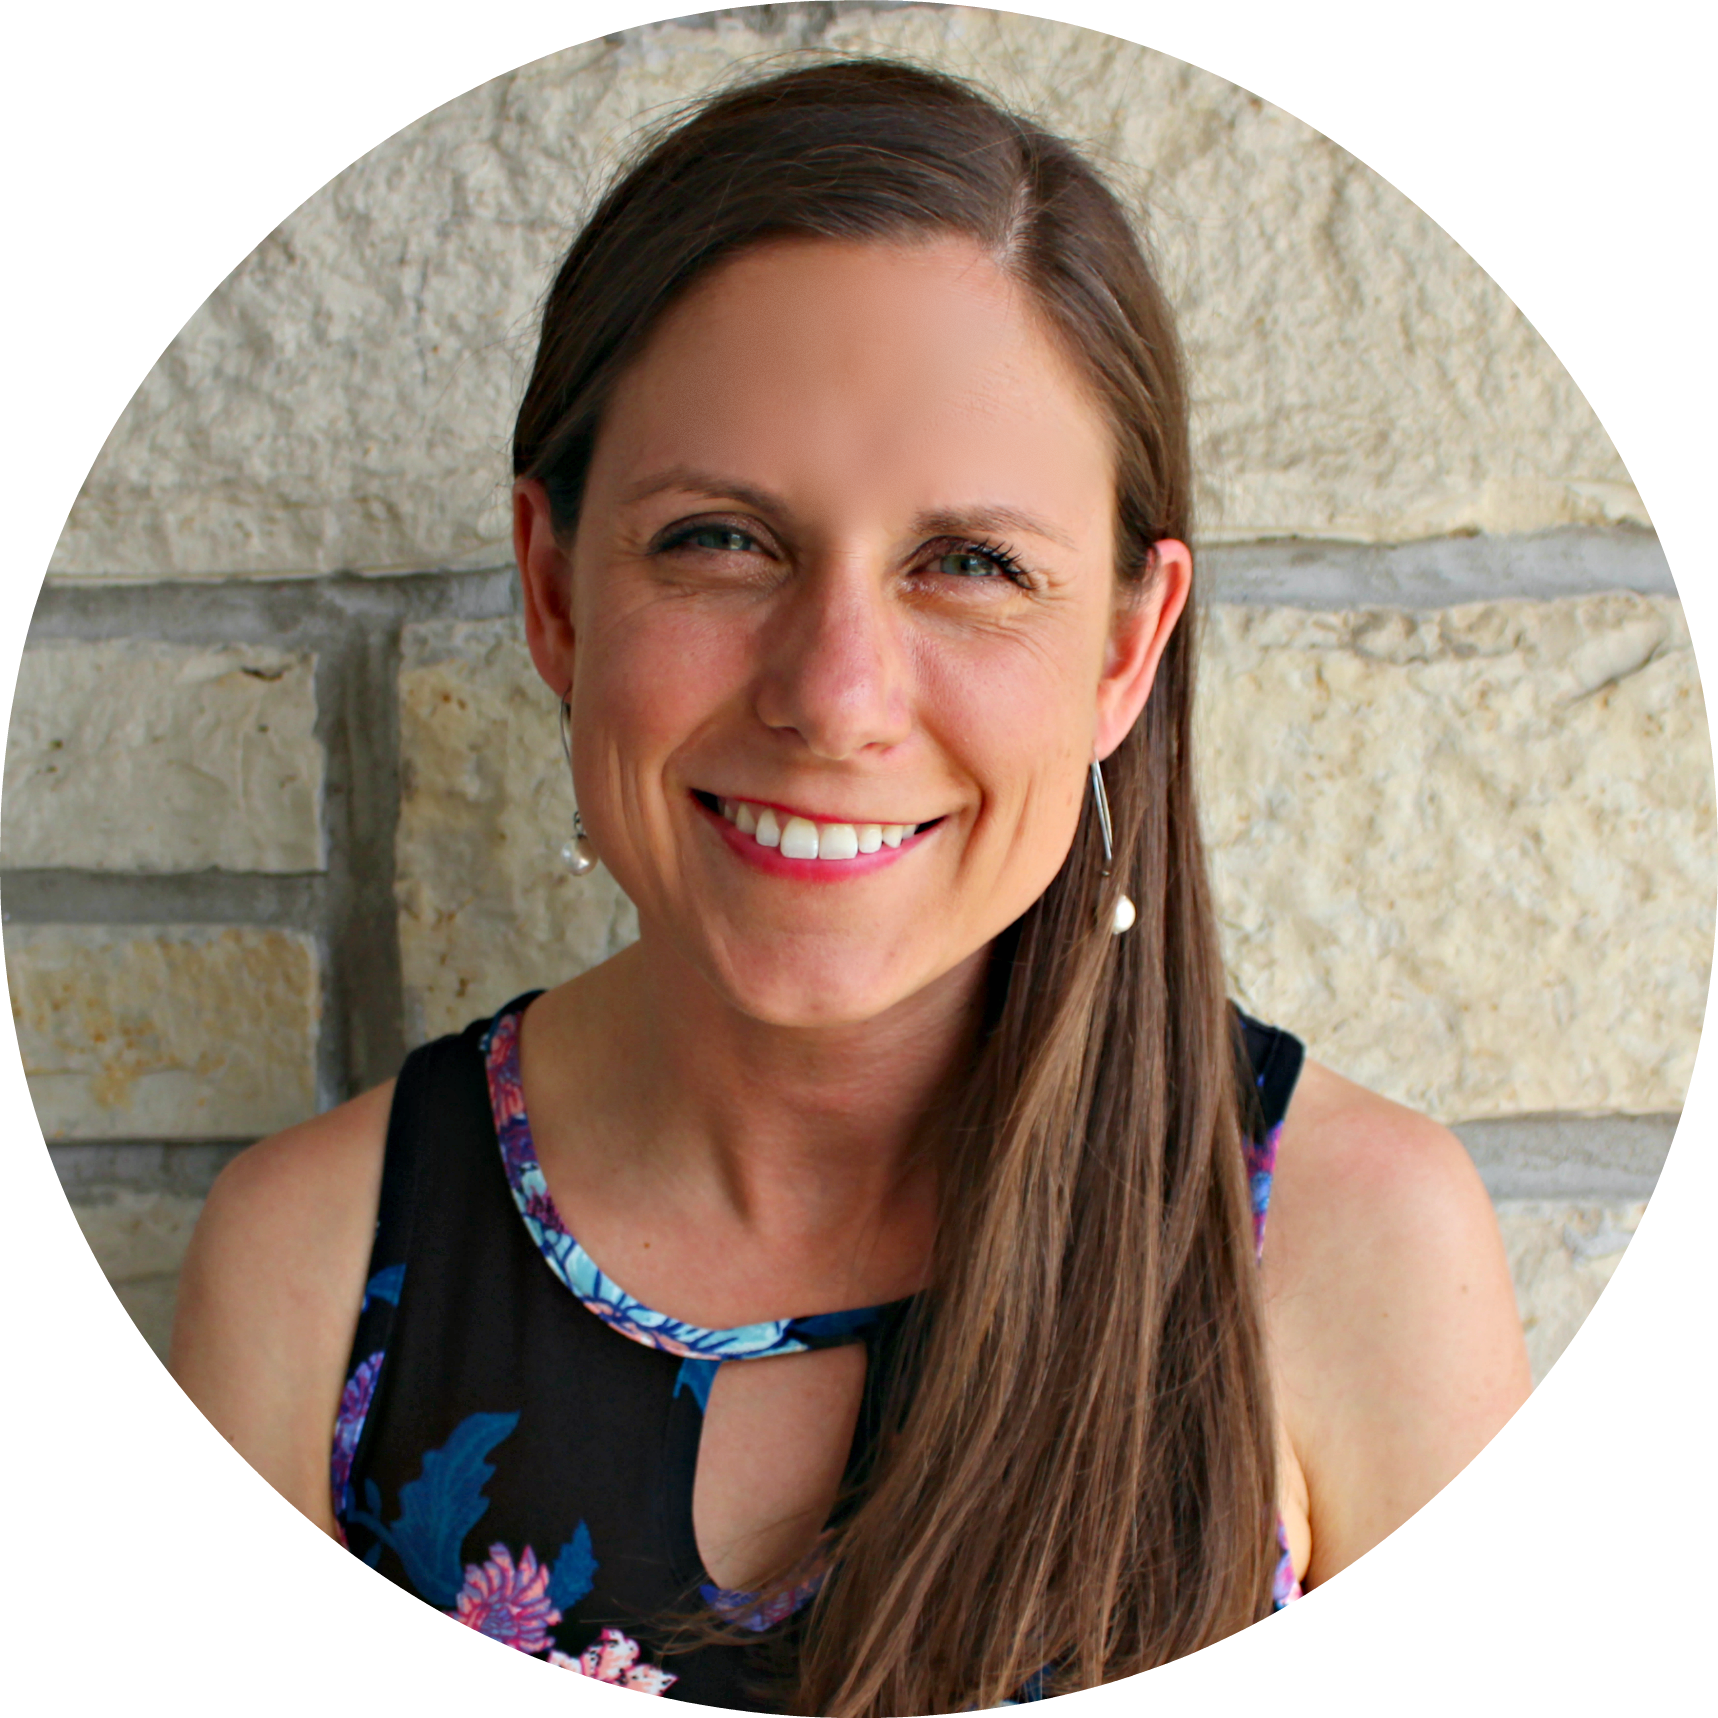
(1000, 555)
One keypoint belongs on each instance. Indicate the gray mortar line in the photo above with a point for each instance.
(1295, 572)
(1565, 1159)
(294, 901)
(1569, 1157)
(1437, 572)
(361, 1041)
(344, 736)
(98, 1169)
(292, 614)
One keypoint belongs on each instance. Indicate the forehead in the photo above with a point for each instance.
(918, 370)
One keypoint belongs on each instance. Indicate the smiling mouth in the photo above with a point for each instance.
(797, 837)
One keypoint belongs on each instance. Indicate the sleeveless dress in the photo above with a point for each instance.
(517, 1437)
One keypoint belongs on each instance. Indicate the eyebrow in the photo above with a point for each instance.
(983, 519)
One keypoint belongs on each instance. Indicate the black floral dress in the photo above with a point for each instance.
(518, 1436)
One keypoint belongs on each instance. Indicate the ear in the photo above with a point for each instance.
(546, 581)
(1140, 629)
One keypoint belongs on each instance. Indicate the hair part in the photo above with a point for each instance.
(1076, 1467)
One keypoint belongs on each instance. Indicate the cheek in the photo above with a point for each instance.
(649, 675)
(1021, 720)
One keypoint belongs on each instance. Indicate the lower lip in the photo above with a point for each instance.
(770, 861)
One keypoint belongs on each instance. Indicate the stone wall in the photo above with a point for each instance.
(283, 795)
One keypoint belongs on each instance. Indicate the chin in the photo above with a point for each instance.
(815, 995)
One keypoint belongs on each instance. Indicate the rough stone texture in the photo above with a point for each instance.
(1450, 846)
(133, 755)
(1561, 1256)
(139, 1240)
(166, 1031)
(343, 399)
(1446, 845)
(486, 907)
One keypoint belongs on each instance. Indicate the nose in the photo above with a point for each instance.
(834, 671)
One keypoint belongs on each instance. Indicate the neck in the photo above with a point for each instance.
(809, 1126)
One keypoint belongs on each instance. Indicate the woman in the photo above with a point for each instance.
(851, 512)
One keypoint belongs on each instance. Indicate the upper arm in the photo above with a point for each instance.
(270, 1291)
(1397, 1349)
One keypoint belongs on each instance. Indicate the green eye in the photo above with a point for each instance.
(964, 564)
(719, 539)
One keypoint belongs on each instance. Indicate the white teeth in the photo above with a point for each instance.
(799, 838)
(837, 841)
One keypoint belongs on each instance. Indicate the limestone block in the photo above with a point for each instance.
(1561, 1257)
(165, 1031)
(487, 909)
(343, 399)
(1468, 854)
(139, 1240)
(132, 755)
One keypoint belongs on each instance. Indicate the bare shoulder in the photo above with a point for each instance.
(1357, 1171)
(1396, 1345)
(270, 1290)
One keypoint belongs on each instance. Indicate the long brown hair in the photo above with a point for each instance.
(1077, 1465)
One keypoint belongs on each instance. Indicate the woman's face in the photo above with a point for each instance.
(845, 560)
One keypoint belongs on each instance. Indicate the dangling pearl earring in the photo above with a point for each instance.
(1124, 915)
(578, 855)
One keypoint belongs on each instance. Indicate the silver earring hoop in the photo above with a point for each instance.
(1123, 916)
(578, 855)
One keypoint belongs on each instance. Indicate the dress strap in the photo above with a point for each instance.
(1271, 1060)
